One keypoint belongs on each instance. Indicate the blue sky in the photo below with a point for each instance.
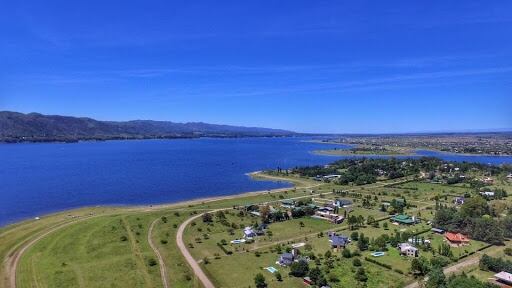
(310, 66)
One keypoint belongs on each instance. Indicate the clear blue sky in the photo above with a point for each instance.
(311, 66)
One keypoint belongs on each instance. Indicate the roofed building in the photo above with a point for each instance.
(408, 250)
(403, 219)
(457, 239)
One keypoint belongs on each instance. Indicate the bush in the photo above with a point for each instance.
(152, 262)
(346, 253)
(387, 266)
(123, 238)
(356, 262)
(163, 241)
(508, 251)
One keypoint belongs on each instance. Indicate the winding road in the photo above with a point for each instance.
(191, 261)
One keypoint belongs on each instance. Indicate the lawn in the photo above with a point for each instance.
(110, 251)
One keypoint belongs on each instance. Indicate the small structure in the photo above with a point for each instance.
(456, 239)
(338, 241)
(286, 259)
(488, 180)
(487, 194)
(331, 217)
(307, 281)
(509, 177)
(332, 176)
(403, 219)
(458, 200)
(504, 278)
(408, 250)
(287, 203)
(341, 203)
(249, 232)
(437, 230)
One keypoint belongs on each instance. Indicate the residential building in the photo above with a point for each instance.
(504, 278)
(457, 239)
(338, 241)
(408, 250)
(403, 219)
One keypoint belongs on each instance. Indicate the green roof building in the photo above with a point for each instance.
(403, 219)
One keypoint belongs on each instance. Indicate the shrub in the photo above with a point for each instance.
(152, 262)
(163, 241)
(123, 238)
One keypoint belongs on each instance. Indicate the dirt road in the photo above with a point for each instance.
(163, 270)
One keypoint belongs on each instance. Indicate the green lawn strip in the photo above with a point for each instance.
(95, 250)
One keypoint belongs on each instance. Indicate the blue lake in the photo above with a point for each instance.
(40, 178)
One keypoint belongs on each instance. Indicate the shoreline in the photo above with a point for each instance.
(156, 207)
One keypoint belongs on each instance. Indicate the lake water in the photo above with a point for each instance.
(40, 178)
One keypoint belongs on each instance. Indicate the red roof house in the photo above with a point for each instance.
(456, 238)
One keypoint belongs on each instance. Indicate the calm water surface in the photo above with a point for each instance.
(39, 178)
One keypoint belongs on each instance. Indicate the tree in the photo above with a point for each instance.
(259, 281)
(420, 266)
(346, 253)
(361, 275)
(356, 262)
(363, 242)
(474, 207)
(265, 213)
(278, 276)
(315, 274)
(207, 217)
(436, 278)
(299, 269)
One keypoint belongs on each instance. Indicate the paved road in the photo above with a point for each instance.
(191, 261)
(163, 270)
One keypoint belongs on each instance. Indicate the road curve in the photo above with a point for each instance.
(14, 258)
(163, 270)
(191, 261)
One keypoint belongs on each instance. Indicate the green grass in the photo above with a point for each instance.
(92, 254)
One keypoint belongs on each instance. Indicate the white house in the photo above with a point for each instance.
(408, 250)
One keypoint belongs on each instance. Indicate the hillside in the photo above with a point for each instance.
(35, 127)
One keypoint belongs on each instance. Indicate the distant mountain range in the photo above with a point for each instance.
(35, 127)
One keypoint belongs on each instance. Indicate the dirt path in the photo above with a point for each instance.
(452, 269)
(163, 270)
(188, 257)
(14, 258)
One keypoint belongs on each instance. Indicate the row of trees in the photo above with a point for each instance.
(474, 219)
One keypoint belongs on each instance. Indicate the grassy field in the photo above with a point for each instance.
(108, 247)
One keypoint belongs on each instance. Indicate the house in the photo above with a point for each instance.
(331, 217)
(487, 194)
(286, 259)
(340, 203)
(437, 230)
(338, 241)
(332, 176)
(457, 239)
(287, 203)
(487, 180)
(509, 177)
(458, 200)
(504, 278)
(249, 232)
(403, 219)
(408, 250)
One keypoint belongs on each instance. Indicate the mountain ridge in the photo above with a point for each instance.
(37, 127)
